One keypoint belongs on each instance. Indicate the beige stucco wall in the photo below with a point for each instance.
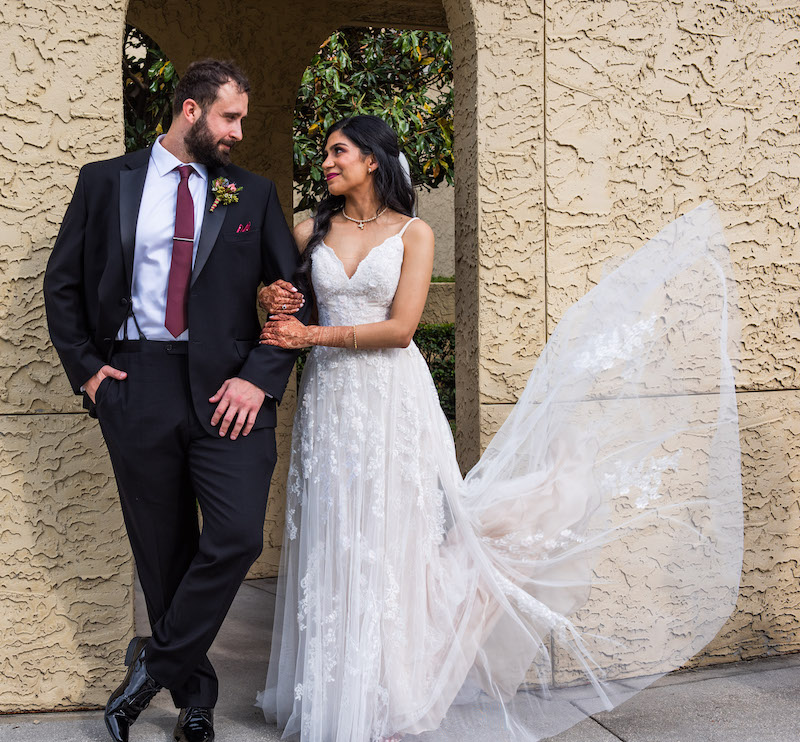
(437, 208)
(655, 110)
(581, 128)
(498, 51)
(65, 570)
(649, 109)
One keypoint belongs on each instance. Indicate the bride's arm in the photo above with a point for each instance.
(395, 332)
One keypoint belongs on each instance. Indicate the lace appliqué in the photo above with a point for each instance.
(610, 349)
(644, 477)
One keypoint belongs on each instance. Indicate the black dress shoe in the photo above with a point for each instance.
(132, 697)
(195, 724)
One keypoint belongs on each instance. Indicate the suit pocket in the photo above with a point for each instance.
(100, 392)
(239, 238)
(89, 406)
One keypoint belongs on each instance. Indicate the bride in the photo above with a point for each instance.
(595, 546)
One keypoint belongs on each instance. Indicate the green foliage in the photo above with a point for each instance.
(437, 343)
(301, 364)
(405, 77)
(148, 83)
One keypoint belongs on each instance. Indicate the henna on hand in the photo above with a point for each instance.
(280, 296)
(285, 331)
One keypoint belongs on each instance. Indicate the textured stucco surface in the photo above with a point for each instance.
(441, 303)
(653, 107)
(61, 108)
(66, 573)
(498, 67)
(436, 208)
(768, 610)
(581, 129)
(649, 109)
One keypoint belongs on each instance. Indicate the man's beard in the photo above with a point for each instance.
(204, 148)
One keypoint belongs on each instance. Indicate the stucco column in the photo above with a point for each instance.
(500, 258)
(65, 568)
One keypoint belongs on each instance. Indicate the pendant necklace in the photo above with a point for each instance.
(362, 222)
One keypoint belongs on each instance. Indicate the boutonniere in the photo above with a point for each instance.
(224, 192)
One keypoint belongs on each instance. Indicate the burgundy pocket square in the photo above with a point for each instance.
(243, 228)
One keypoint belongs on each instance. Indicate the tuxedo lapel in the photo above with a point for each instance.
(212, 223)
(131, 186)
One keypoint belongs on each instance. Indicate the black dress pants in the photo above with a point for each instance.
(166, 465)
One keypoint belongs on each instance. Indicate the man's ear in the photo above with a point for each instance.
(191, 110)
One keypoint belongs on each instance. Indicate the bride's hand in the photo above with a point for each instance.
(280, 296)
(286, 331)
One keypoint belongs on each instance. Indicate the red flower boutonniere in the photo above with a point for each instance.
(224, 192)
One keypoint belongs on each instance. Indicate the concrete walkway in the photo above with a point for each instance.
(757, 701)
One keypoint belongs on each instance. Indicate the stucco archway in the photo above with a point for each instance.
(580, 128)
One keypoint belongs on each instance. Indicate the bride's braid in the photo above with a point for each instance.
(393, 187)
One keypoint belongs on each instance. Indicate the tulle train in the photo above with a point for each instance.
(594, 547)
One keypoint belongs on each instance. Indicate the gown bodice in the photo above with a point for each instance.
(366, 296)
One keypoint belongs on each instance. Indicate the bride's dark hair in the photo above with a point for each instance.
(393, 187)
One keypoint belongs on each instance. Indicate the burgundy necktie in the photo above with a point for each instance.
(180, 270)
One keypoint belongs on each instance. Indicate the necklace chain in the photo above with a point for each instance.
(362, 222)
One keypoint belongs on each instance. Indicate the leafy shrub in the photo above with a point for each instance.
(405, 77)
(437, 343)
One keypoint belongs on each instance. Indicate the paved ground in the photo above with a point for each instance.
(756, 701)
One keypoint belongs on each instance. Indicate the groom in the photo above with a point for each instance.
(150, 296)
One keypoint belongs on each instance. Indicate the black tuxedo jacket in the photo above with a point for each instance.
(87, 284)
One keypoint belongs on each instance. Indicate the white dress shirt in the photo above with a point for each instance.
(155, 229)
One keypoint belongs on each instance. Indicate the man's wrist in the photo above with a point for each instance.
(264, 391)
(87, 382)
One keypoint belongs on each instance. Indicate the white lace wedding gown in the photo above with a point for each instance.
(595, 546)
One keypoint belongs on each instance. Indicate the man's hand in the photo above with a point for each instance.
(90, 387)
(239, 401)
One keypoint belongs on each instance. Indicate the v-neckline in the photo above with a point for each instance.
(371, 250)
